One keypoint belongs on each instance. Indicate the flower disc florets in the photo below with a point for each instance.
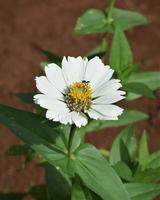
(78, 96)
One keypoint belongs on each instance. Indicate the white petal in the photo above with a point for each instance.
(108, 110)
(94, 114)
(55, 76)
(107, 88)
(79, 119)
(110, 98)
(48, 102)
(44, 86)
(66, 117)
(56, 114)
(73, 69)
(97, 73)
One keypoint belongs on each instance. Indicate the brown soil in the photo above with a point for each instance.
(25, 24)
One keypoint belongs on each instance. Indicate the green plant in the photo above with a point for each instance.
(76, 170)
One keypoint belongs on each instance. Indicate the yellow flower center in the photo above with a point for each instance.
(78, 97)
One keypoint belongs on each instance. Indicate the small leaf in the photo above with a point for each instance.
(20, 149)
(123, 171)
(26, 97)
(143, 151)
(147, 175)
(150, 79)
(138, 88)
(97, 175)
(80, 192)
(124, 147)
(58, 186)
(143, 191)
(154, 160)
(92, 21)
(126, 19)
(128, 117)
(120, 57)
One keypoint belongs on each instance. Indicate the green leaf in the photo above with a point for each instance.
(97, 174)
(98, 51)
(128, 117)
(126, 19)
(142, 191)
(124, 147)
(39, 192)
(120, 57)
(92, 21)
(80, 192)
(20, 149)
(39, 133)
(12, 196)
(147, 175)
(138, 88)
(26, 97)
(123, 171)
(52, 58)
(154, 160)
(143, 151)
(58, 186)
(150, 78)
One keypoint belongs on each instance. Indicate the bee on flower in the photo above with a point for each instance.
(79, 90)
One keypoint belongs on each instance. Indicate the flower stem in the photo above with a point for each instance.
(110, 9)
(71, 136)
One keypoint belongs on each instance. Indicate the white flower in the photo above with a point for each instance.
(79, 90)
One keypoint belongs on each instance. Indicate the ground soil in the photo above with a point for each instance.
(25, 24)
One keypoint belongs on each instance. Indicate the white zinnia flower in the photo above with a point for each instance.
(78, 90)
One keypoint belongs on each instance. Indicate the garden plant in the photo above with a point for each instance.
(78, 95)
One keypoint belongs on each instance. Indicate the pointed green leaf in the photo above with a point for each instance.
(124, 147)
(39, 133)
(126, 19)
(154, 160)
(120, 57)
(20, 149)
(97, 175)
(142, 191)
(138, 88)
(150, 79)
(58, 186)
(123, 171)
(92, 21)
(147, 175)
(26, 97)
(143, 151)
(128, 117)
(80, 192)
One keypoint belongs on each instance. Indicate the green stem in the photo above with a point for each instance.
(110, 9)
(71, 136)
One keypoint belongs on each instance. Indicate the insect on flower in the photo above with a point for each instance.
(81, 89)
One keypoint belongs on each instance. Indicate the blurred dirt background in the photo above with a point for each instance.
(49, 24)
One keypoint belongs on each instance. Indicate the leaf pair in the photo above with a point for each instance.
(95, 21)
